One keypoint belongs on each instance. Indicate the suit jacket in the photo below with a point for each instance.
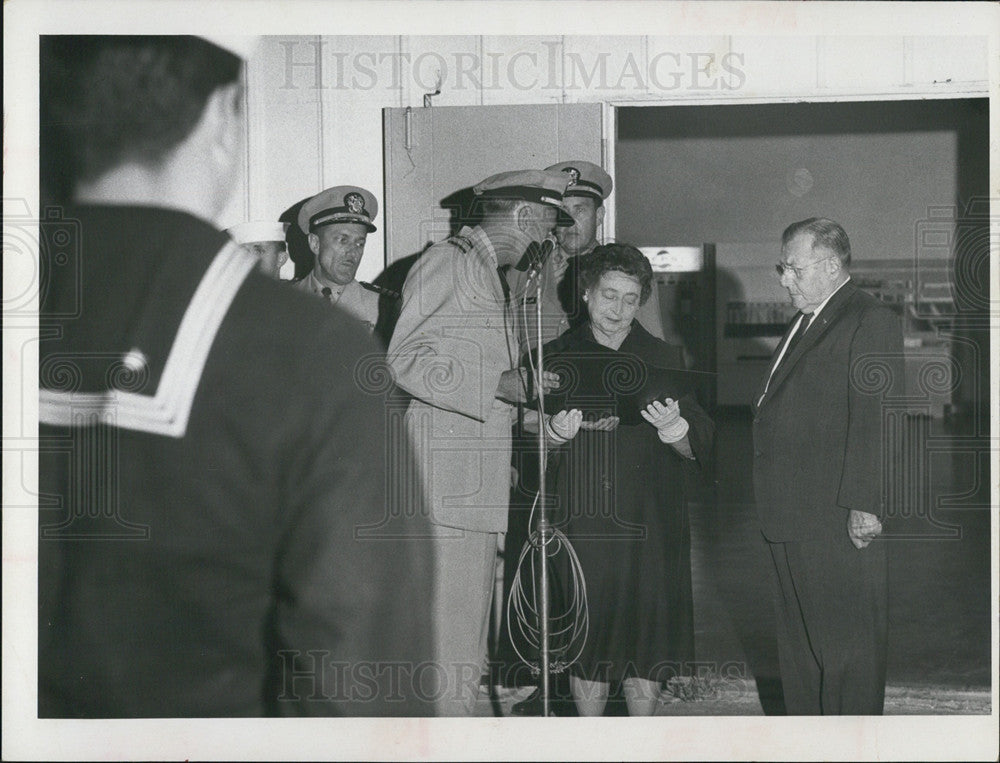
(207, 474)
(454, 338)
(819, 449)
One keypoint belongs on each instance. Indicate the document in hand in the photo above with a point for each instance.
(604, 382)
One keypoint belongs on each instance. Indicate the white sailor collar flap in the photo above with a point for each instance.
(167, 410)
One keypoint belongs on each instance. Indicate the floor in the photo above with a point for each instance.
(939, 611)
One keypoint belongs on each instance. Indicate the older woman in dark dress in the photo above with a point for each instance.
(620, 489)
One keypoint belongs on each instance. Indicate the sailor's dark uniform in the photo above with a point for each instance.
(205, 484)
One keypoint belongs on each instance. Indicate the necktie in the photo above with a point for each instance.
(792, 341)
(802, 327)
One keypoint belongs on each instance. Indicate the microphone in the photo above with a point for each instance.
(538, 254)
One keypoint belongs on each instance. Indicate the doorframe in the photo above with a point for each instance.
(609, 145)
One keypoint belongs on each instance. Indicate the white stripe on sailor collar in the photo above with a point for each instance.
(166, 412)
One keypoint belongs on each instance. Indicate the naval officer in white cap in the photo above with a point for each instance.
(265, 240)
(337, 222)
(455, 353)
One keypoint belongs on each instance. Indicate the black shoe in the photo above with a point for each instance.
(532, 706)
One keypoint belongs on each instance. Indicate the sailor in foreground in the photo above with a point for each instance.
(337, 222)
(265, 240)
(200, 555)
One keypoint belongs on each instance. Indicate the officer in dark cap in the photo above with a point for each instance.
(337, 222)
(588, 185)
(455, 353)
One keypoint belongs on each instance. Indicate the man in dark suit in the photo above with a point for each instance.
(818, 465)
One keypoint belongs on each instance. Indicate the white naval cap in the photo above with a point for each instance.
(258, 230)
(340, 204)
(585, 179)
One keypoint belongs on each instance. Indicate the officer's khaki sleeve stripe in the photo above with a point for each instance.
(165, 413)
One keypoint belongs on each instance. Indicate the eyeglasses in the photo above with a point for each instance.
(782, 267)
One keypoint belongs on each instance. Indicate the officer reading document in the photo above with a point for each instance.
(455, 352)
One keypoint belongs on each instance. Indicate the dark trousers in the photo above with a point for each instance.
(830, 606)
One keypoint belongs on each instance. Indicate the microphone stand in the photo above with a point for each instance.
(544, 529)
(543, 522)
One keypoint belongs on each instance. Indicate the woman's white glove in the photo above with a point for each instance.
(563, 426)
(666, 418)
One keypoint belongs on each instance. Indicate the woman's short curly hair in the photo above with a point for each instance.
(622, 258)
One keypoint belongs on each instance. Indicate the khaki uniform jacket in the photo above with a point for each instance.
(453, 340)
(355, 299)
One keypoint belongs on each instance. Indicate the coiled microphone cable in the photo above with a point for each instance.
(559, 642)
